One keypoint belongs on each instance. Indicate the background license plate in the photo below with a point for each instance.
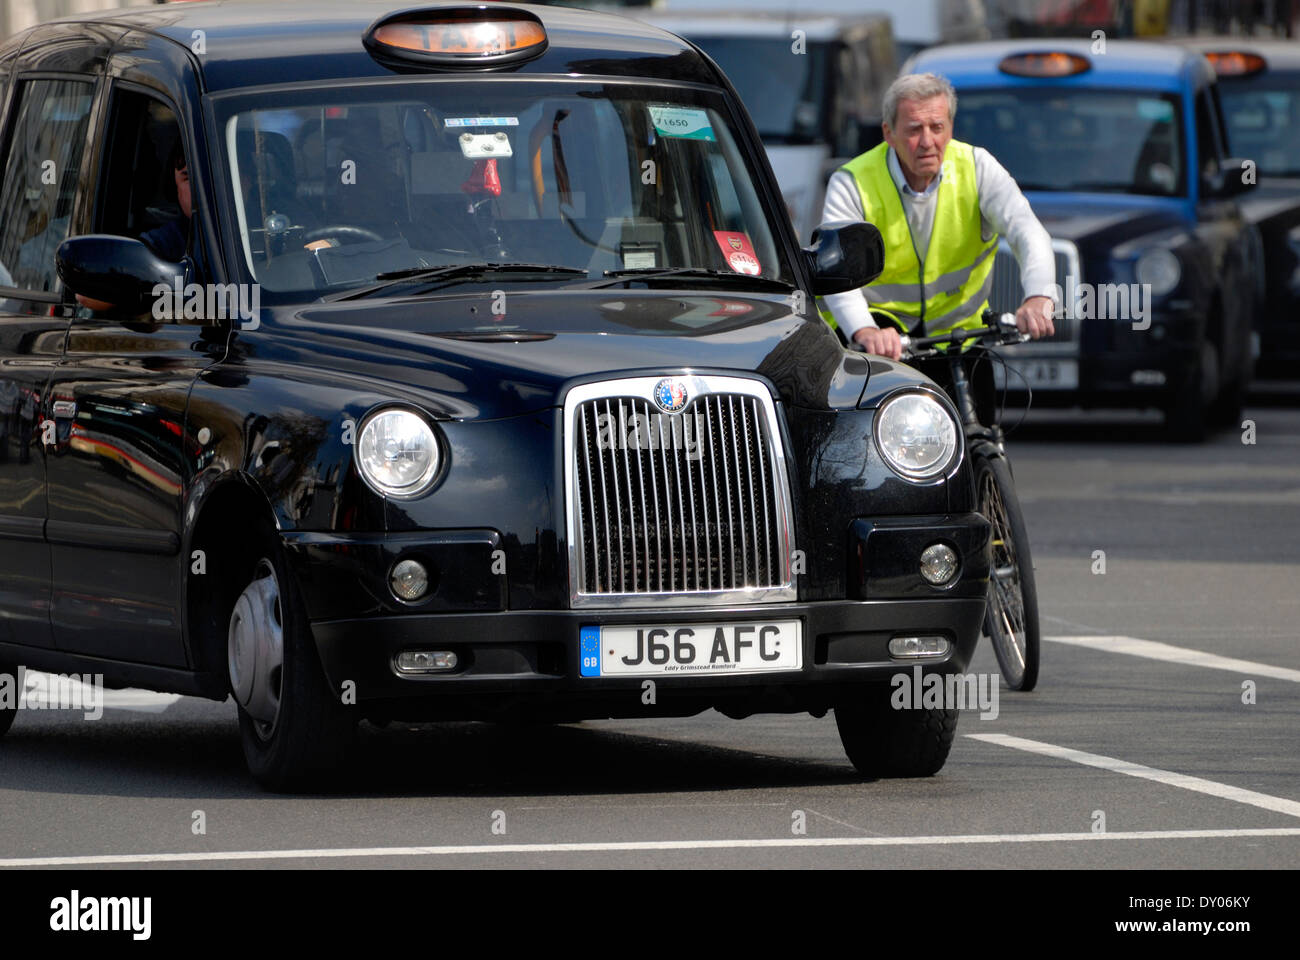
(1041, 374)
(686, 650)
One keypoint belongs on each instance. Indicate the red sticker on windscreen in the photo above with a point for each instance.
(738, 251)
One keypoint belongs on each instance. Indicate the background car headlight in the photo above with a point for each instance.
(1160, 268)
(917, 436)
(397, 453)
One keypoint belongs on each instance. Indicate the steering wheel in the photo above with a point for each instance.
(343, 231)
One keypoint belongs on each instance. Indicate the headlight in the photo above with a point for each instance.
(1160, 268)
(917, 436)
(397, 453)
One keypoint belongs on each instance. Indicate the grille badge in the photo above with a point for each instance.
(670, 395)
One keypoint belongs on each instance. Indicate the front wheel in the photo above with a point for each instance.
(296, 732)
(882, 741)
(1011, 618)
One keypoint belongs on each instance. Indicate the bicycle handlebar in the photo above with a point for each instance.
(999, 329)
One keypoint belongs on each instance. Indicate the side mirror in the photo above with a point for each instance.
(117, 270)
(1230, 179)
(844, 255)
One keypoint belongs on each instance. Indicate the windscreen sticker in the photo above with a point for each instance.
(738, 251)
(684, 123)
(1162, 111)
(481, 122)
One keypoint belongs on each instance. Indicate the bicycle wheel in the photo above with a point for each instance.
(1011, 620)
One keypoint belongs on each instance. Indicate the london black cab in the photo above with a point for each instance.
(451, 363)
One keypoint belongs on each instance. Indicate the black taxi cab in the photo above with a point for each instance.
(1259, 86)
(450, 363)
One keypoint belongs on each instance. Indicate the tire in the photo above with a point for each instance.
(884, 742)
(1011, 618)
(1189, 409)
(295, 730)
(9, 714)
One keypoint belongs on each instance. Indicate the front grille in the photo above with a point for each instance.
(665, 505)
(1008, 294)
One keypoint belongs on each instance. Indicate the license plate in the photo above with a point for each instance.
(1040, 374)
(691, 650)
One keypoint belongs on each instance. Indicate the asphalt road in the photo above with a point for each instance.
(1138, 725)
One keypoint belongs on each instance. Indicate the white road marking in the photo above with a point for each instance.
(1155, 650)
(1222, 790)
(646, 845)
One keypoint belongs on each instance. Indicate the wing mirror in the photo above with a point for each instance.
(116, 270)
(844, 255)
(1230, 179)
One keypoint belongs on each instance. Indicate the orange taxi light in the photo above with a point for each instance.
(1044, 64)
(471, 34)
(1234, 63)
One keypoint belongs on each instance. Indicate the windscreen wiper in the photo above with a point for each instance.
(694, 273)
(455, 271)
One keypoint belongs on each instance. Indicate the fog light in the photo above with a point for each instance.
(426, 661)
(938, 564)
(918, 646)
(409, 580)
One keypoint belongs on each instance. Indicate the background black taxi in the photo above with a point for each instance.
(489, 384)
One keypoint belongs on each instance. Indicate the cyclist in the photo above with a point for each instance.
(940, 205)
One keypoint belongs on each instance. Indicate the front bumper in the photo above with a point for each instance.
(512, 660)
(519, 659)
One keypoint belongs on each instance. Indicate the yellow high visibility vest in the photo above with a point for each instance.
(954, 288)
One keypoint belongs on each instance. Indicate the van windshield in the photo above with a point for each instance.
(336, 188)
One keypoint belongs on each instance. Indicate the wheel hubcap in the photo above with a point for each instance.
(255, 649)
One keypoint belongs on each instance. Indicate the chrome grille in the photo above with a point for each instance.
(685, 507)
(1007, 293)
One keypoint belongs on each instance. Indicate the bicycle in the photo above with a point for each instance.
(1011, 619)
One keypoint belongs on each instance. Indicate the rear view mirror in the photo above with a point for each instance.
(844, 255)
(1234, 177)
(117, 270)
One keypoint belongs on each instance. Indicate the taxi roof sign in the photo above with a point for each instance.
(1049, 64)
(1235, 63)
(471, 36)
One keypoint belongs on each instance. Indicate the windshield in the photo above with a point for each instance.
(336, 188)
(1089, 140)
(785, 94)
(1262, 113)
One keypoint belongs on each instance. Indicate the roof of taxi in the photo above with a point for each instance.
(1278, 54)
(255, 43)
(1125, 63)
